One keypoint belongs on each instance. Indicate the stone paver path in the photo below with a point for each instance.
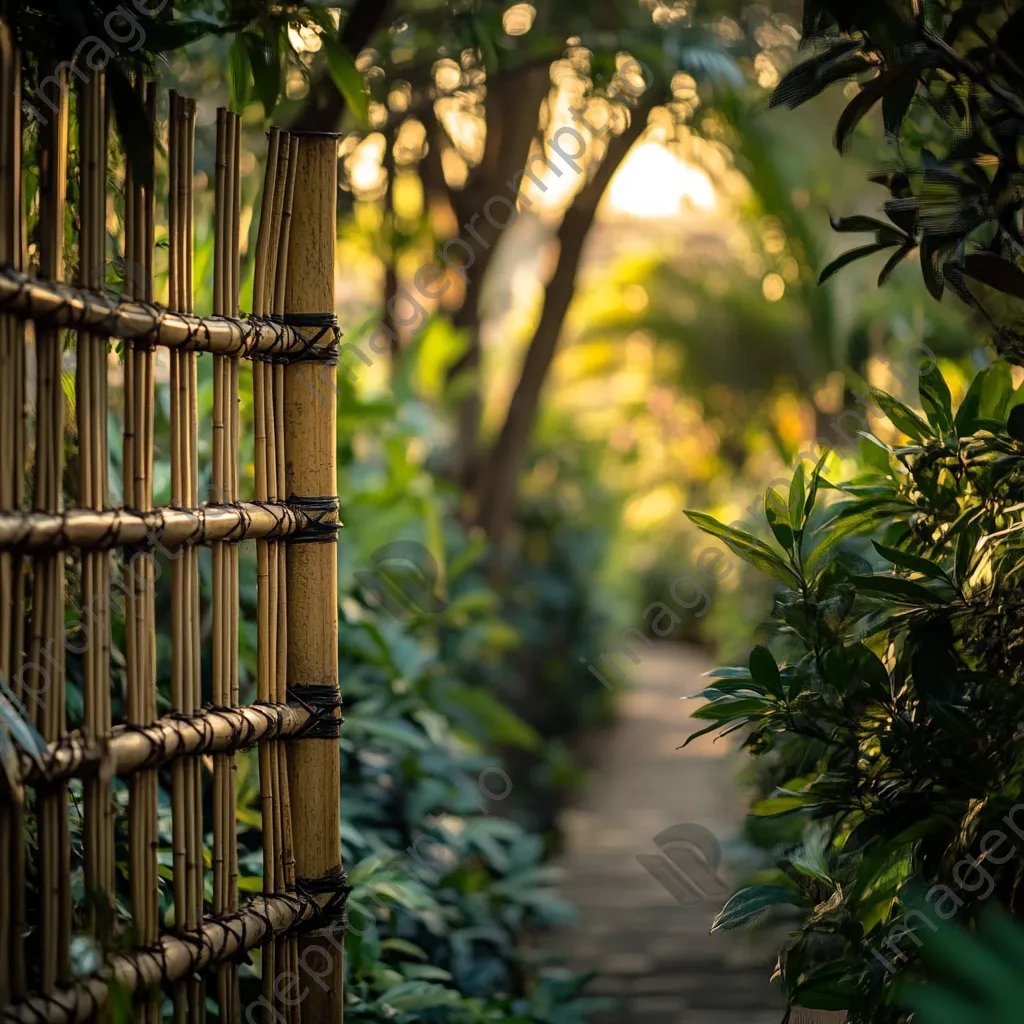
(654, 954)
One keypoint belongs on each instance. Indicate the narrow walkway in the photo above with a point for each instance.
(654, 953)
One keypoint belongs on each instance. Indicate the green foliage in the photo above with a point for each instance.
(948, 82)
(885, 718)
(976, 979)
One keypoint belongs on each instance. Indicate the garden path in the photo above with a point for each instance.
(654, 954)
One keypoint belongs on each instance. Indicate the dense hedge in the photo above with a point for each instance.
(885, 713)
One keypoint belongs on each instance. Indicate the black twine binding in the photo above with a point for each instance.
(321, 519)
(312, 349)
(336, 884)
(321, 702)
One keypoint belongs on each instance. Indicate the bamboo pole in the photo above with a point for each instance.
(225, 556)
(47, 687)
(138, 576)
(129, 750)
(312, 570)
(164, 528)
(264, 657)
(91, 405)
(54, 304)
(12, 496)
(173, 960)
(287, 951)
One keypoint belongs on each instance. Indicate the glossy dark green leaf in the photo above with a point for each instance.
(893, 262)
(936, 399)
(747, 547)
(902, 416)
(992, 270)
(764, 671)
(775, 513)
(265, 61)
(854, 112)
(986, 399)
(239, 74)
(900, 590)
(749, 905)
(797, 497)
(348, 79)
(133, 127)
(915, 563)
(850, 256)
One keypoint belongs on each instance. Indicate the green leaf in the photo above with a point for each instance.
(764, 671)
(725, 709)
(774, 507)
(901, 416)
(133, 126)
(991, 269)
(899, 590)
(16, 721)
(894, 261)
(797, 496)
(348, 79)
(812, 493)
(1015, 423)
(936, 400)
(787, 803)
(751, 550)
(850, 256)
(913, 562)
(265, 61)
(751, 904)
(870, 93)
(985, 400)
(238, 74)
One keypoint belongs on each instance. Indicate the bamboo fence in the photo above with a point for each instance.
(87, 804)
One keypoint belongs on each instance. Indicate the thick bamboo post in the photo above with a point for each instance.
(312, 569)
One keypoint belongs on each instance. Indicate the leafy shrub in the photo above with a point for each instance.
(886, 718)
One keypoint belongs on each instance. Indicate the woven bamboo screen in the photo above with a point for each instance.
(99, 565)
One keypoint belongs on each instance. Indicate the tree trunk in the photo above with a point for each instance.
(513, 114)
(496, 490)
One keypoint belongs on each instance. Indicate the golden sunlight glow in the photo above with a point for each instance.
(654, 182)
(773, 287)
(518, 19)
(364, 168)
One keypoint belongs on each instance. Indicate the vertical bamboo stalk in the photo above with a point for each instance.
(224, 556)
(310, 471)
(186, 781)
(139, 576)
(91, 404)
(288, 950)
(46, 690)
(264, 692)
(12, 498)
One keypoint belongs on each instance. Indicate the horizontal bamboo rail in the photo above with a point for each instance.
(128, 750)
(53, 304)
(175, 957)
(169, 528)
